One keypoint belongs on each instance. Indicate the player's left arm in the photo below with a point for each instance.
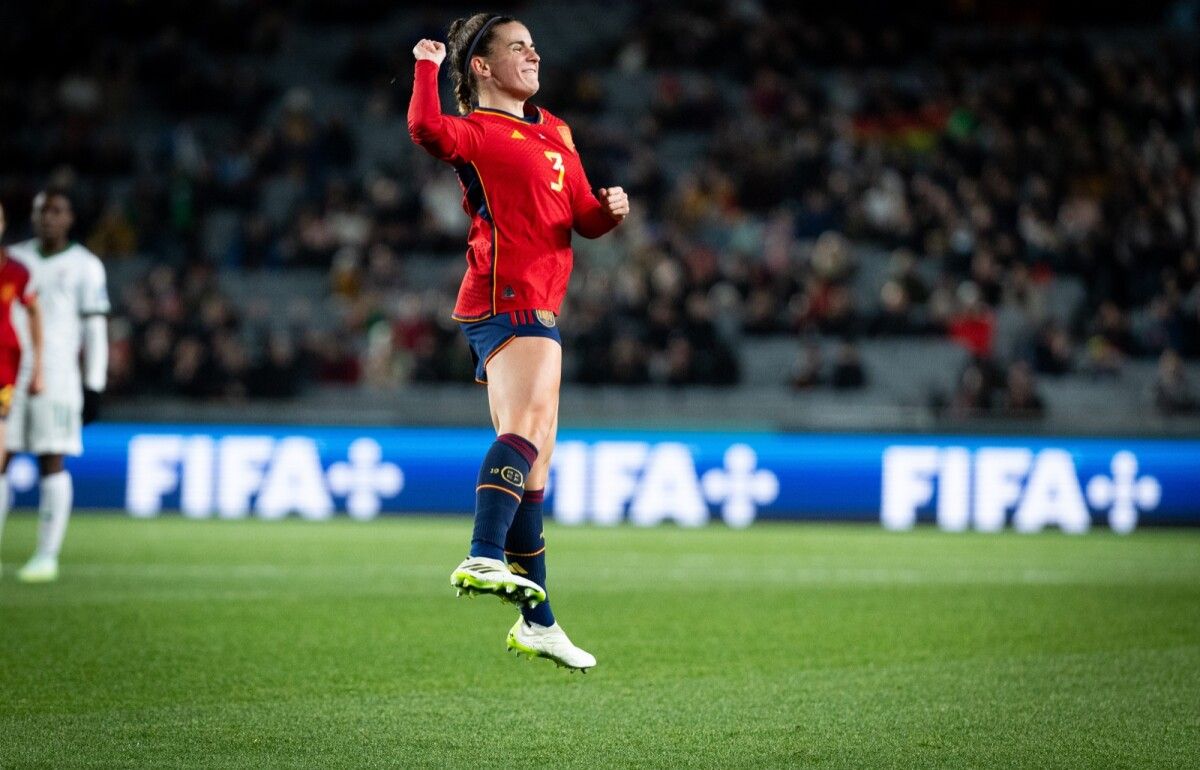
(34, 312)
(94, 307)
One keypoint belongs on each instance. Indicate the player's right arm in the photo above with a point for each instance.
(94, 308)
(443, 136)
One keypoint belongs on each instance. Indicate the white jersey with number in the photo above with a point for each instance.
(70, 286)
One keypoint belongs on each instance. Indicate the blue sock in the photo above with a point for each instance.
(526, 552)
(498, 493)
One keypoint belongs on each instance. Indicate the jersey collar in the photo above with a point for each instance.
(527, 120)
(44, 255)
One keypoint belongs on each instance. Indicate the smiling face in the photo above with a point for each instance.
(511, 66)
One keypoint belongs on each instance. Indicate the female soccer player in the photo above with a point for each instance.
(525, 191)
(15, 284)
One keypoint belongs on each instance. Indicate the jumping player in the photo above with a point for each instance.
(15, 284)
(525, 190)
(73, 296)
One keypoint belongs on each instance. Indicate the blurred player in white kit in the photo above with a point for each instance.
(73, 296)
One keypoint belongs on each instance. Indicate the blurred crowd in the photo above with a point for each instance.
(984, 170)
(179, 333)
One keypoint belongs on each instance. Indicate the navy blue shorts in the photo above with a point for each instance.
(489, 336)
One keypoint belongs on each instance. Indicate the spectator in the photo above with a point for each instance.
(807, 371)
(848, 373)
(1052, 352)
(1021, 399)
(1172, 391)
(277, 375)
(973, 325)
(973, 394)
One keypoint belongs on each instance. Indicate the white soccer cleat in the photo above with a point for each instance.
(534, 641)
(40, 569)
(479, 575)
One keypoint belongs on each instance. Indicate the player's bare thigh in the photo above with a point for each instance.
(523, 383)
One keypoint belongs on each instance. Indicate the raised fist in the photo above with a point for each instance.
(430, 50)
(615, 202)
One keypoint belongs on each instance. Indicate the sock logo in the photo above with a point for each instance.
(517, 569)
(512, 476)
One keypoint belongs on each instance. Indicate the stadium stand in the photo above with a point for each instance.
(838, 223)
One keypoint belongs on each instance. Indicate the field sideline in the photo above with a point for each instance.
(251, 644)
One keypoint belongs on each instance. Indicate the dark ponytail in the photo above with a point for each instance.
(459, 39)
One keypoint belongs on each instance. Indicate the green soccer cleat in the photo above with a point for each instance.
(551, 643)
(40, 569)
(479, 575)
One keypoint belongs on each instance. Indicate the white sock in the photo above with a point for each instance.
(4, 502)
(54, 509)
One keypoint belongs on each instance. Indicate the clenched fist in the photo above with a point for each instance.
(615, 202)
(430, 50)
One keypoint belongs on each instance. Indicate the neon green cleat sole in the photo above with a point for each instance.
(39, 570)
(475, 577)
(550, 643)
(519, 649)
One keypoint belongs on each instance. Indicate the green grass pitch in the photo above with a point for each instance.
(252, 644)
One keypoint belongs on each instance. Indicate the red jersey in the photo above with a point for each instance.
(525, 191)
(14, 284)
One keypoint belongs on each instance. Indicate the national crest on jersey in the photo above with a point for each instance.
(565, 132)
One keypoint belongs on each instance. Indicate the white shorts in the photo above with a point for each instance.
(41, 425)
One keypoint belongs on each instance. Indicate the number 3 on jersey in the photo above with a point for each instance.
(557, 165)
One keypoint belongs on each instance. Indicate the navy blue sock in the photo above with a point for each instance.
(498, 493)
(526, 552)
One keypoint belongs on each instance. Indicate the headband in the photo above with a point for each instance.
(466, 65)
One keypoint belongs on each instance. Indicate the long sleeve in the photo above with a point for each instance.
(95, 352)
(443, 136)
(94, 307)
(593, 221)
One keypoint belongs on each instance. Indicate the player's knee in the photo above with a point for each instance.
(50, 464)
(541, 420)
(534, 424)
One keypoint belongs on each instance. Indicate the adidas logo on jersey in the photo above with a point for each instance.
(516, 135)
